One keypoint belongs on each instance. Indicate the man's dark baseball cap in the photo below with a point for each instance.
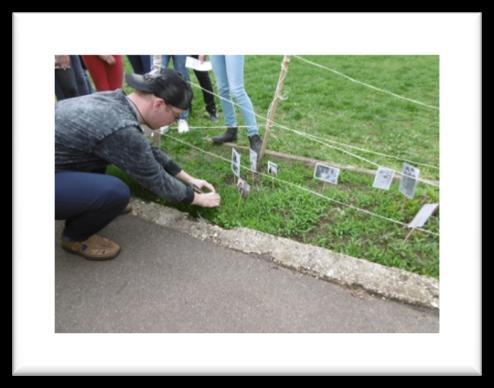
(166, 84)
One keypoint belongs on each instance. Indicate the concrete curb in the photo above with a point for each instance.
(374, 278)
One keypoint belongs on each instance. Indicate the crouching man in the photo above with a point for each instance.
(104, 128)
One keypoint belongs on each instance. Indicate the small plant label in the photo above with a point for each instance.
(235, 163)
(408, 184)
(326, 173)
(423, 215)
(253, 160)
(383, 179)
(272, 168)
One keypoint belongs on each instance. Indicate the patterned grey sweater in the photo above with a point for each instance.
(102, 128)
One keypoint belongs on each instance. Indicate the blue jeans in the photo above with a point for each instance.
(88, 202)
(178, 65)
(229, 72)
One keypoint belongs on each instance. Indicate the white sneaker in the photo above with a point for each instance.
(183, 127)
(155, 70)
(164, 129)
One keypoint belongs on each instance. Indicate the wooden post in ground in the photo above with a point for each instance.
(274, 105)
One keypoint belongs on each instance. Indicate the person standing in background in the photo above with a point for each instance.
(229, 72)
(179, 65)
(141, 64)
(106, 71)
(70, 78)
(207, 92)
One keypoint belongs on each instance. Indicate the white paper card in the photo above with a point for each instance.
(326, 173)
(272, 168)
(253, 160)
(423, 215)
(384, 178)
(195, 64)
(408, 182)
(235, 163)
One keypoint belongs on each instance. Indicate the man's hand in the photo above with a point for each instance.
(201, 184)
(207, 200)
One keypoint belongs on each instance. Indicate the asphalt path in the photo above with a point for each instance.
(165, 281)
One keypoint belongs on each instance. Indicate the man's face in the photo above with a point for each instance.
(163, 114)
(174, 113)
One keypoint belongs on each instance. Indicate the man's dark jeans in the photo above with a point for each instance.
(88, 202)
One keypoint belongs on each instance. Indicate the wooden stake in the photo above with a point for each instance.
(274, 105)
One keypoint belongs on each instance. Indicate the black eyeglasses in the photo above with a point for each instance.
(175, 115)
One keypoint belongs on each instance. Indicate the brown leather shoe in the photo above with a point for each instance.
(94, 248)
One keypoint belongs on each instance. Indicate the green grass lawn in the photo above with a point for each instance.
(331, 107)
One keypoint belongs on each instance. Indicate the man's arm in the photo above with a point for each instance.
(166, 162)
(200, 198)
(128, 150)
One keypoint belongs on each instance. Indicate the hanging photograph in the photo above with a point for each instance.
(383, 179)
(253, 160)
(326, 173)
(235, 163)
(408, 184)
(272, 168)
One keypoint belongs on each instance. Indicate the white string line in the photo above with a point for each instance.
(365, 84)
(370, 151)
(385, 91)
(303, 188)
(335, 142)
(222, 126)
(363, 149)
(331, 141)
(314, 138)
(308, 136)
